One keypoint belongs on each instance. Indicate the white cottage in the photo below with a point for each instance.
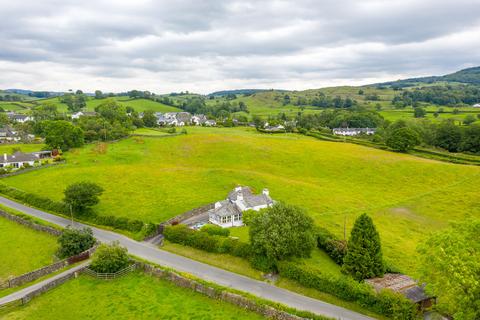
(18, 160)
(228, 212)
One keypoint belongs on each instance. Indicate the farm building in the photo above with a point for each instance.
(404, 285)
(8, 134)
(476, 105)
(15, 117)
(228, 213)
(353, 131)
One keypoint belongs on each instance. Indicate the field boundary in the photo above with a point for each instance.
(30, 224)
(220, 293)
(41, 272)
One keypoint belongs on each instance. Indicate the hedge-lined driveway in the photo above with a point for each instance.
(203, 271)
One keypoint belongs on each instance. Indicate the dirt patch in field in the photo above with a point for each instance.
(406, 213)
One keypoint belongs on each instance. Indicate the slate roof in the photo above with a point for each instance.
(7, 132)
(226, 209)
(18, 157)
(250, 199)
(353, 129)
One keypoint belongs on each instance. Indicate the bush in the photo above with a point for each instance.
(203, 241)
(215, 230)
(82, 195)
(73, 241)
(110, 258)
(334, 247)
(388, 303)
(263, 263)
(178, 234)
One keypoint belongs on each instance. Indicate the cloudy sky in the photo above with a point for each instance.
(203, 46)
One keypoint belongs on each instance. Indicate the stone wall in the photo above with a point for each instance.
(189, 214)
(224, 295)
(34, 275)
(31, 224)
(50, 285)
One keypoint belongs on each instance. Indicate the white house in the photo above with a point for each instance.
(476, 105)
(7, 134)
(353, 131)
(210, 123)
(199, 119)
(228, 212)
(19, 117)
(79, 114)
(18, 160)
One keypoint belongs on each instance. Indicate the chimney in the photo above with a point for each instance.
(266, 192)
(238, 189)
(217, 204)
(240, 196)
(5, 157)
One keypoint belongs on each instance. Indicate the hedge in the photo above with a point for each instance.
(134, 226)
(334, 247)
(204, 241)
(215, 230)
(388, 303)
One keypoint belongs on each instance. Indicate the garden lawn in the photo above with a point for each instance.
(154, 179)
(23, 249)
(135, 296)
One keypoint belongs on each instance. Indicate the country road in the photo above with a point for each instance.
(206, 272)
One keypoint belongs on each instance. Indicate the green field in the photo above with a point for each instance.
(23, 249)
(135, 296)
(154, 179)
(139, 105)
(23, 147)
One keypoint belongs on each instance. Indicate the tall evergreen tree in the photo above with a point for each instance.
(364, 256)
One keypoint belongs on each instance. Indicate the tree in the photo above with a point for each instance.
(419, 112)
(469, 119)
(364, 252)
(62, 134)
(450, 265)
(98, 94)
(448, 136)
(110, 258)
(471, 139)
(74, 241)
(402, 139)
(149, 119)
(282, 231)
(82, 195)
(46, 111)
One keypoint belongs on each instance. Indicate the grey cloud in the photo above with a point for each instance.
(231, 43)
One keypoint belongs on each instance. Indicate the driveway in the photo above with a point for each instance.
(203, 271)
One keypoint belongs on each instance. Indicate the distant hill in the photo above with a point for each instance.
(469, 76)
(36, 94)
(240, 91)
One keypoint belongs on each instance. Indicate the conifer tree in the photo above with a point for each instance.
(364, 254)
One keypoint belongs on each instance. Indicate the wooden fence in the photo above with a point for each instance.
(110, 276)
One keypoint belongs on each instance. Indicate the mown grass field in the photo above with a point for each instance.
(23, 249)
(154, 179)
(135, 296)
(23, 147)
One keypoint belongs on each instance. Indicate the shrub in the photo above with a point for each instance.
(215, 230)
(177, 234)
(334, 247)
(74, 241)
(263, 263)
(109, 258)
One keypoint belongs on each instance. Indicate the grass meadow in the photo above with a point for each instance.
(154, 179)
(135, 296)
(23, 249)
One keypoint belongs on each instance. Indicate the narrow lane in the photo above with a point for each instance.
(203, 271)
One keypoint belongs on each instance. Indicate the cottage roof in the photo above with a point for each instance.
(18, 157)
(353, 129)
(250, 199)
(16, 116)
(7, 132)
(226, 208)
